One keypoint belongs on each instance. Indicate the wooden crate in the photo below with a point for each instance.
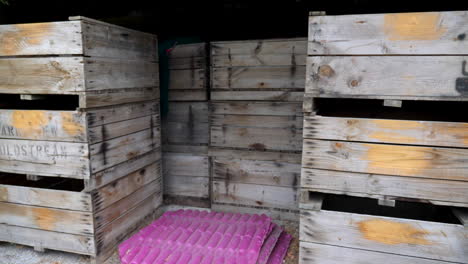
(337, 236)
(264, 70)
(188, 77)
(80, 145)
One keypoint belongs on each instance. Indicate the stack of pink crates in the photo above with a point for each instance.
(190, 236)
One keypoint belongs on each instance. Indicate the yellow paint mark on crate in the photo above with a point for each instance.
(413, 26)
(3, 194)
(393, 130)
(392, 233)
(23, 36)
(29, 122)
(45, 218)
(69, 124)
(457, 130)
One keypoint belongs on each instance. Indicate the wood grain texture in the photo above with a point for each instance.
(423, 162)
(187, 186)
(187, 63)
(380, 34)
(440, 192)
(429, 133)
(185, 164)
(67, 126)
(111, 114)
(255, 155)
(280, 96)
(187, 79)
(256, 108)
(188, 95)
(326, 254)
(259, 47)
(196, 150)
(380, 76)
(277, 214)
(275, 59)
(113, 97)
(431, 240)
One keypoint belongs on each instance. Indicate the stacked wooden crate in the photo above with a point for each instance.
(79, 135)
(256, 125)
(185, 128)
(386, 123)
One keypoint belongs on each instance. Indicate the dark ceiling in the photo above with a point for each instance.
(210, 20)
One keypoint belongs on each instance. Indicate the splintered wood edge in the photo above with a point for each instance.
(91, 20)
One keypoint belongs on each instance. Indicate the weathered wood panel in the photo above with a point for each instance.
(259, 47)
(241, 60)
(289, 77)
(277, 214)
(51, 240)
(196, 150)
(442, 192)
(43, 125)
(256, 108)
(111, 97)
(280, 122)
(284, 96)
(257, 138)
(76, 201)
(447, 134)
(183, 164)
(254, 195)
(325, 254)
(255, 155)
(100, 116)
(45, 158)
(41, 39)
(188, 50)
(187, 79)
(188, 95)
(66, 221)
(50, 75)
(240, 170)
(114, 151)
(187, 186)
(380, 76)
(379, 34)
(187, 63)
(424, 162)
(414, 238)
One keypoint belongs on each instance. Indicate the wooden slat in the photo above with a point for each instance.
(257, 138)
(424, 162)
(242, 60)
(381, 76)
(100, 116)
(188, 112)
(187, 79)
(312, 253)
(277, 214)
(446, 134)
(66, 221)
(188, 95)
(182, 164)
(109, 194)
(112, 97)
(280, 77)
(259, 47)
(187, 63)
(284, 96)
(41, 39)
(188, 50)
(50, 240)
(45, 158)
(254, 195)
(43, 125)
(240, 170)
(414, 238)
(76, 201)
(379, 34)
(185, 133)
(49, 75)
(105, 73)
(257, 108)
(111, 152)
(442, 192)
(255, 155)
(187, 186)
(197, 150)
(281, 122)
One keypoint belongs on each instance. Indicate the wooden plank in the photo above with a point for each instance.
(327, 254)
(118, 171)
(41, 39)
(242, 60)
(181, 201)
(187, 63)
(277, 214)
(45, 158)
(44, 75)
(188, 50)
(185, 133)
(256, 108)
(241, 170)
(187, 79)
(424, 162)
(105, 73)
(257, 138)
(122, 128)
(106, 40)
(188, 112)
(66, 221)
(112, 97)
(51, 240)
(182, 164)
(254, 195)
(430, 133)
(196, 150)
(255, 155)
(261, 78)
(379, 34)
(442, 192)
(114, 151)
(280, 122)
(109, 194)
(69, 200)
(188, 95)
(120, 207)
(285, 96)
(259, 47)
(395, 76)
(67, 126)
(187, 186)
(431, 240)
(100, 116)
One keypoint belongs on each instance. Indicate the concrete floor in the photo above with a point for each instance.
(16, 254)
